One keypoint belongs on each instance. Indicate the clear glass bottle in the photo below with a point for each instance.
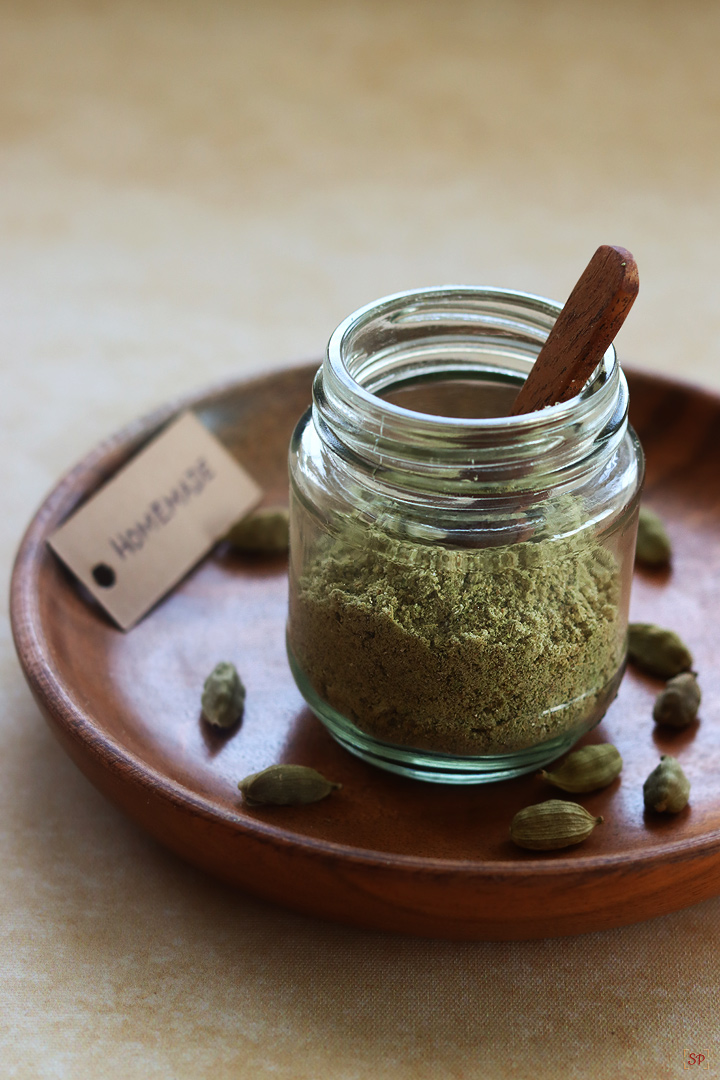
(459, 578)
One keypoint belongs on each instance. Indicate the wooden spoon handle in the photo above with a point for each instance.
(586, 326)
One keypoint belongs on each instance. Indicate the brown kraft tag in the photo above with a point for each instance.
(155, 519)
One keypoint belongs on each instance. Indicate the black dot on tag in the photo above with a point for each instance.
(104, 575)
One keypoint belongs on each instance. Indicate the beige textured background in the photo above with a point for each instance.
(191, 190)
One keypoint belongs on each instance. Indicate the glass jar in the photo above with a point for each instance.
(459, 578)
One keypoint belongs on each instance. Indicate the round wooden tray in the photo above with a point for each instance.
(384, 852)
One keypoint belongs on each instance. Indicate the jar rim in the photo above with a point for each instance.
(340, 379)
(451, 331)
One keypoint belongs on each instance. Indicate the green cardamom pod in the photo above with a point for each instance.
(552, 824)
(653, 543)
(285, 785)
(667, 788)
(265, 530)
(587, 769)
(223, 696)
(657, 651)
(677, 705)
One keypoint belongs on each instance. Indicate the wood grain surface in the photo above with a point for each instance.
(384, 852)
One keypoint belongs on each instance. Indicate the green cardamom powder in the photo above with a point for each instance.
(476, 651)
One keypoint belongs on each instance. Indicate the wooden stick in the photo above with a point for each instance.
(586, 326)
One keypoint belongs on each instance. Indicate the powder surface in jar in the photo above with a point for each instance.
(472, 652)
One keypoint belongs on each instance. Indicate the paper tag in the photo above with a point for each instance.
(142, 532)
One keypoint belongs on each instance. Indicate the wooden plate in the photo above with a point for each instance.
(384, 852)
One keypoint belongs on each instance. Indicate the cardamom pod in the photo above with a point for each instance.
(285, 785)
(653, 543)
(552, 824)
(587, 769)
(667, 788)
(223, 696)
(265, 530)
(657, 651)
(677, 705)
